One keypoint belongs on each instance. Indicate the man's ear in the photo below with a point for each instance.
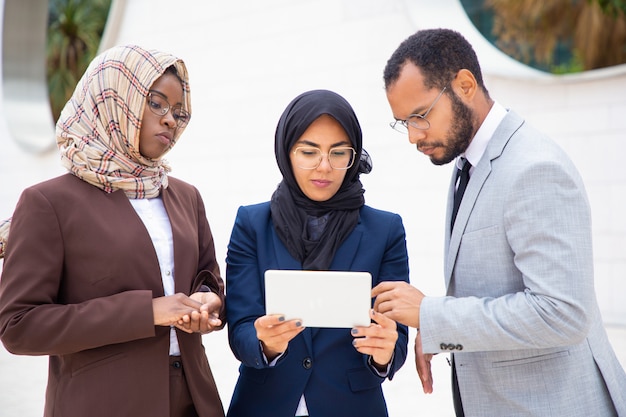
(465, 85)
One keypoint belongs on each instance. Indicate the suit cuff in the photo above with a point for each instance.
(383, 374)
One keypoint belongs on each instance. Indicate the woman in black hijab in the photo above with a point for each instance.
(317, 220)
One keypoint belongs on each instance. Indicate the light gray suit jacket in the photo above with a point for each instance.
(520, 315)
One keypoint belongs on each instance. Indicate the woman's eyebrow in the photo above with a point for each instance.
(164, 96)
(316, 145)
(157, 92)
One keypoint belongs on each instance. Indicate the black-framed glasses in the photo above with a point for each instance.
(158, 104)
(417, 121)
(308, 157)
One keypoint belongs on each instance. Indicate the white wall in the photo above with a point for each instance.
(248, 59)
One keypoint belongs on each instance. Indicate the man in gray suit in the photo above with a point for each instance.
(520, 316)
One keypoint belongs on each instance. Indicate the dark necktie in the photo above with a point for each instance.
(463, 175)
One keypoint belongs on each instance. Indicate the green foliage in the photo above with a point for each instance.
(611, 7)
(75, 28)
(558, 36)
(573, 66)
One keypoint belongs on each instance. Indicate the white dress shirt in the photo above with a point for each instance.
(478, 145)
(152, 213)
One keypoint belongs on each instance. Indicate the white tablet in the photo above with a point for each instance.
(339, 299)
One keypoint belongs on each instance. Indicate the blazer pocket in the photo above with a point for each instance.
(531, 359)
(481, 233)
(95, 280)
(80, 367)
(363, 379)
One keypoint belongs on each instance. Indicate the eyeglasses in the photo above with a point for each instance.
(417, 121)
(308, 157)
(158, 104)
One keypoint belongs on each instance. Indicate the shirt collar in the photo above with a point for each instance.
(478, 145)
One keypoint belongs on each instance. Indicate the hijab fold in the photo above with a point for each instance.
(290, 207)
(98, 130)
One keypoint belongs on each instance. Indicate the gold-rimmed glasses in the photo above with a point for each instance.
(158, 104)
(417, 121)
(308, 157)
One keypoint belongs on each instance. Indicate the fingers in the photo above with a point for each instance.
(197, 313)
(208, 318)
(384, 292)
(200, 322)
(211, 303)
(186, 300)
(275, 326)
(423, 366)
(269, 320)
(275, 332)
(169, 310)
(399, 301)
(383, 320)
(378, 340)
(185, 327)
(384, 287)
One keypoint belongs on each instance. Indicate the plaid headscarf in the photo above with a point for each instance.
(4, 235)
(98, 130)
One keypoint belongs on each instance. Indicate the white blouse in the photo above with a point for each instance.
(152, 213)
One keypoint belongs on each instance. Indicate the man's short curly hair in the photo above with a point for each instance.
(439, 53)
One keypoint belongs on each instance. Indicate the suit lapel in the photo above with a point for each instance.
(509, 125)
(184, 275)
(183, 224)
(343, 258)
(284, 260)
(128, 218)
(347, 251)
(477, 180)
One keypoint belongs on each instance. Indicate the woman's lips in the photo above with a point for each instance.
(321, 183)
(165, 138)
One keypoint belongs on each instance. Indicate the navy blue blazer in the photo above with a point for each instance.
(321, 363)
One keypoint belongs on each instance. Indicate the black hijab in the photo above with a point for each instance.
(290, 207)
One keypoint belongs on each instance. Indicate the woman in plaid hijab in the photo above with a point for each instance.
(110, 269)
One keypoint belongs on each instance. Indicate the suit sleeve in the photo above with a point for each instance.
(546, 230)
(244, 292)
(395, 267)
(32, 322)
(208, 268)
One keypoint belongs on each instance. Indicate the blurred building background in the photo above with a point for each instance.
(248, 59)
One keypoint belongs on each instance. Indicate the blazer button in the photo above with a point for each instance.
(307, 363)
(450, 346)
(177, 364)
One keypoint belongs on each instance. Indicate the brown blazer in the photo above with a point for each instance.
(78, 281)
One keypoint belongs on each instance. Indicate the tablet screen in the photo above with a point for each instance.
(339, 299)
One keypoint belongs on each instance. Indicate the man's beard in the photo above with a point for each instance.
(460, 134)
